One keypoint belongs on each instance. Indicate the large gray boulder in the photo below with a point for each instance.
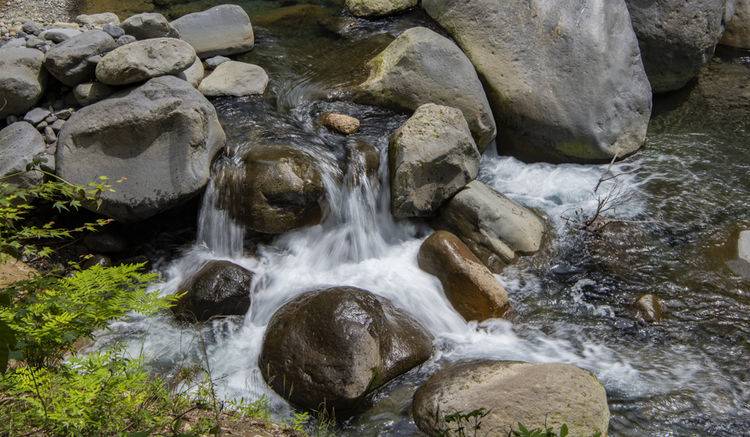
(219, 288)
(431, 157)
(234, 78)
(222, 30)
(123, 137)
(149, 25)
(494, 227)
(511, 392)
(74, 61)
(564, 78)
(422, 66)
(332, 349)
(378, 8)
(22, 79)
(737, 33)
(143, 60)
(279, 189)
(677, 37)
(20, 145)
(468, 284)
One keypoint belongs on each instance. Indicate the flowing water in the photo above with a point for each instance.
(681, 202)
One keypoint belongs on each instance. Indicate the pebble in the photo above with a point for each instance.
(36, 115)
(49, 135)
(40, 127)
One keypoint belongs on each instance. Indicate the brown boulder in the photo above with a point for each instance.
(219, 288)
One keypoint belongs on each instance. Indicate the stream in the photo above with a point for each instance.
(681, 202)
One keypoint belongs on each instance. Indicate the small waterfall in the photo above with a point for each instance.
(217, 231)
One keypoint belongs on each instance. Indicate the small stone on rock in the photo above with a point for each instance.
(49, 135)
(216, 61)
(126, 39)
(36, 115)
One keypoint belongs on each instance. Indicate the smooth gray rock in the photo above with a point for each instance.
(126, 39)
(149, 25)
(512, 392)
(70, 61)
(194, 74)
(422, 66)
(431, 157)
(235, 79)
(124, 137)
(222, 30)
(494, 227)
(143, 60)
(22, 79)
(378, 8)
(20, 144)
(677, 37)
(214, 62)
(98, 20)
(564, 78)
(743, 246)
(59, 35)
(91, 92)
(13, 43)
(36, 115)
(737, 33)
(35, 42)
(32, 28)
(113, 30)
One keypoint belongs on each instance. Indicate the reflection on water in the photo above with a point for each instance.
(683, 200)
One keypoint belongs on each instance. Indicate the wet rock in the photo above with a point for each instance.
(470, 287)
(235, 79)
(564, 79)
(420, 67)
(195, 74)
(98, 20)
(333, 348)
(123, 137)
(22, 79)
(70, 61)
(214, 62)
(431, 157)
(91, 92)
(494, 227)
(649, 308)
(59, 35)
(364, 157)
(737, 33)
(279, 190)
(20, 145)
(676, 37)
(536, 395)
(96, 260)
(340, 123)
(105, 243)
(143, 60)
(743, 246)
(149, 25)
(378, 8)
(36, 115)
(222, 30)
(219, 288)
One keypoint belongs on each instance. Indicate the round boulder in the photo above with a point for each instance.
(280, 189)
(378, 8)
(22, 79)
(469, 285)
(535, 395)
(74, 61)
(20, 145)
(143, 60)
(219, 288)
(333, 348)
(123, 138)
(234, 78)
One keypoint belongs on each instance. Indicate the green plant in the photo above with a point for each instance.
(522, 431)
(298, 420)
(260, 409)
(463, 424)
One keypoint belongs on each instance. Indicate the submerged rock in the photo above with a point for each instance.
(378, 8)
(72, 62)
(20, 145)
(143, 60)
(649, 308)
(219, 288)
(22, 79)
(677, 37)
(470, 287)
(123, 138)
(222, 30)
(737, 33)
(280, 189)
(234, 78)
(340, 123)
(511, 392)
(332, 349)
(564, 78)
(431, 157)
(420, 67)
(149, 25)
(494, 227)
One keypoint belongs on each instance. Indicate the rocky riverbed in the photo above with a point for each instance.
(337, 189)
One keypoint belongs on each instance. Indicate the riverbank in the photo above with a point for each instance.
(13, 13)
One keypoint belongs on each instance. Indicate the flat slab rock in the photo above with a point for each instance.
(223, 30)
(232, 78)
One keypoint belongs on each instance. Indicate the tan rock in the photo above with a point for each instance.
(650, 308)
(469, 285)
(340, 123)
